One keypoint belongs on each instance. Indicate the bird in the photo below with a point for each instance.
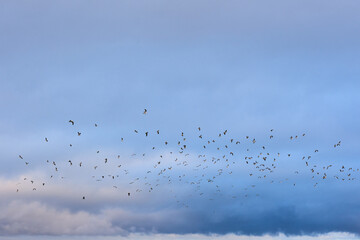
(72, 122)
(145, 111)
(226, 157)
(78, 133)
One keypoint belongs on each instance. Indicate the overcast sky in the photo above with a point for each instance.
(242, 66)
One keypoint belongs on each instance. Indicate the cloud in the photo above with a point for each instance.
(61, 211)
(34, 218)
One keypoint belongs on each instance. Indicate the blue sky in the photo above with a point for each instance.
(242, 66)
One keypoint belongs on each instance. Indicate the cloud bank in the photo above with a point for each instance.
(42, 213)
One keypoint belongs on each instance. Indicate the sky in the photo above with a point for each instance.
(242, 66)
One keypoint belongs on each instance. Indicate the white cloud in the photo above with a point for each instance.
(328, 236)
(35, 218)
(60, 210)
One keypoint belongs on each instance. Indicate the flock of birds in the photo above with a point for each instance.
(176, 163)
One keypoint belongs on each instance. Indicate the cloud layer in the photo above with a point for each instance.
(44, 213)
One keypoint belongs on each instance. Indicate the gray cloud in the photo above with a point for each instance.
(42, 213)
(34, 218)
